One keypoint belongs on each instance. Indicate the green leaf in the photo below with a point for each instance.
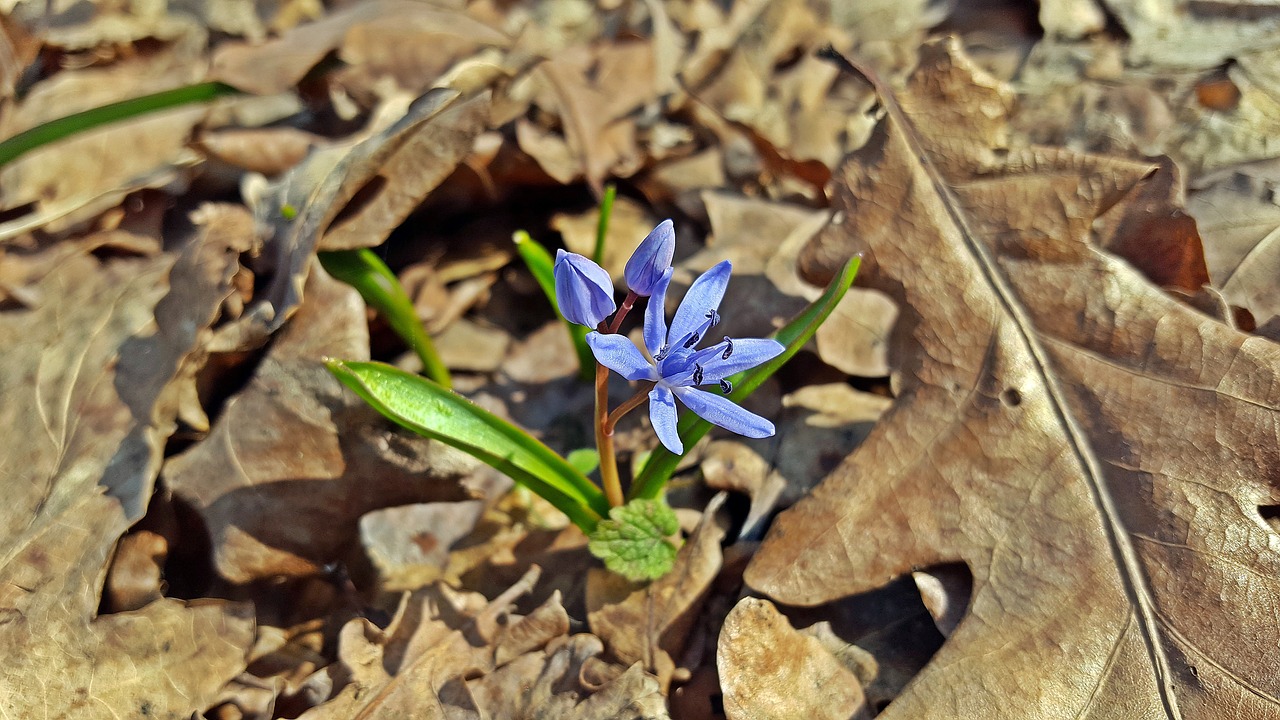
(602, 225)
(543, 269)
(437, 412)
(584, 459)
(635, 541)
(662, 463)
(54, 130)
(363, 270)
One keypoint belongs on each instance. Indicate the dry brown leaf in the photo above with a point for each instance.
(304, 202)
(409, 546)
(1240, 221)
(855, 337)
(652, 623)
(1095, 452)
(276, 66)
(414, 169)
(592, 90)
(768, 670)
(294, 460)
(88, 373)
(451, 654)
(269, 151)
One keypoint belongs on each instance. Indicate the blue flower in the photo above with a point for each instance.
(678, 367)
(584, 291)
(651, 259)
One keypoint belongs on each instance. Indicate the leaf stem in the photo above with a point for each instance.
(604, 441)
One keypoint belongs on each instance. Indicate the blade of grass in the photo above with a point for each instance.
(436, 412)
(662, 462)
(539, 261)
(54, 130)
(602, 225)
(363, 270)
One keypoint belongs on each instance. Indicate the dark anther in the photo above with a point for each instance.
(728, 348)
(662, 353)
(697, 374)
(714, 317)
(726, 387)
(693, 340)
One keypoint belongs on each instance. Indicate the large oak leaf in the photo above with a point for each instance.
(87, 380)
(1094, 451)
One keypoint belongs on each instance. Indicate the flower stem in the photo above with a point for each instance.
(622, 311)
(604, 441)
(631, 404)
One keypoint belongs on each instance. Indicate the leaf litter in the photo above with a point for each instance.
(1036, 452)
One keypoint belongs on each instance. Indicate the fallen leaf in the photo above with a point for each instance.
(278, 65)
(855, 337)
(768, 670)
(294, 445)
(302, 204)
(1239, 218)
(409, 546)
(424, 160)
(453, 654)
(87, 373)
(269, 151)
(1059, 428)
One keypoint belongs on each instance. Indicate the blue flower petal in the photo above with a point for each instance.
(662, 413)
(704, 297)
(655, 321)
(651, 259)
(621, 355)
(722, 411)
(747, 353)
(584, 291)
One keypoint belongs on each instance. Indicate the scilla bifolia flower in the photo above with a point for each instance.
(651, 259)
(678, 367)
(583, 290)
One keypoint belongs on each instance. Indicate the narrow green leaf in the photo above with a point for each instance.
(662, 463)
(602, 225)
(634, 542)
(543, 269)
(54, 130)
(365, 271)
(436, 412)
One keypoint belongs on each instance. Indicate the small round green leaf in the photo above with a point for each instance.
(635, 541)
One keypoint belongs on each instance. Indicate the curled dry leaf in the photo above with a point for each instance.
(301, 206)
(1095, 452)
(415, 168)
(1240, 220)
(452, 654)
(294, 460)
(89, 375)
(768, 670)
